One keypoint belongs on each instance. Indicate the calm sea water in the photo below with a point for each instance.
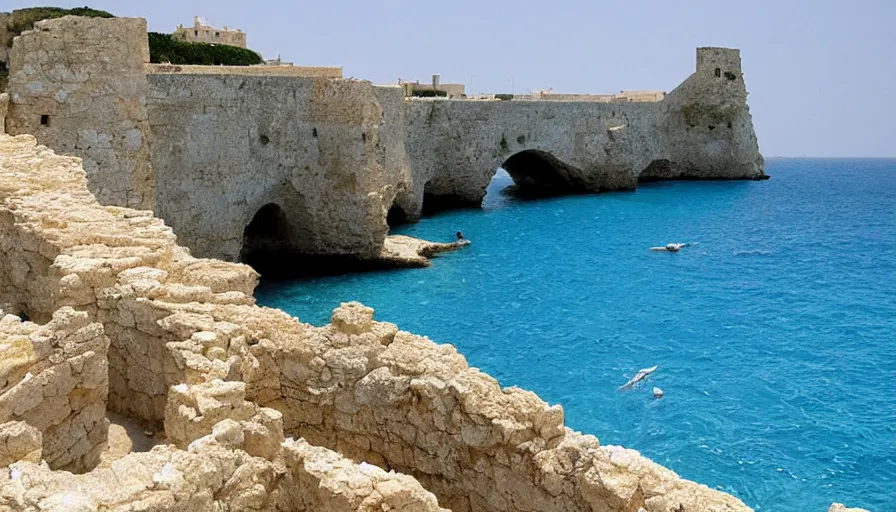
(775, 333)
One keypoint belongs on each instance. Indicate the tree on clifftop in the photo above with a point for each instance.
(163, 48)
(24, 19)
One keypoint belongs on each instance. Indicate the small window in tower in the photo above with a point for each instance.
(45, 120)
(196, 32)
(718, 73)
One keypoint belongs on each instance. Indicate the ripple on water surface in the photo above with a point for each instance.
(774, 332)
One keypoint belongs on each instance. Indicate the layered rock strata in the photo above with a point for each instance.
(406, 251)
(190, 351)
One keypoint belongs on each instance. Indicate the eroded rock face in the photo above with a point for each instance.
(19, 441)
(228, 379)
(4, 107)
(309, 163)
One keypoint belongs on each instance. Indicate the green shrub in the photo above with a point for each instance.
(24, 19)
(504, 96)
(428, 93)
(165, 48)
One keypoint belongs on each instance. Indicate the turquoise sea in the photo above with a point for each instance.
(775, 332)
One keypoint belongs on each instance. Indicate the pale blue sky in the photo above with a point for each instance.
(821, 74)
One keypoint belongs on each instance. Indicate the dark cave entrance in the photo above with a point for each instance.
(538, 173)
(396, 216)
(660, 169)
(266, 238)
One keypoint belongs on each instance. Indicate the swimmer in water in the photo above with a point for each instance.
(460, 236)
(669, 247)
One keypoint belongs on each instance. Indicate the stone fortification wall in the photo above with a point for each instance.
(54, 379)
(226, 146)
(325, 160)
(707, 128)
(455, 147)
(305, 71)
(77, 84)
(701, 130)
(621, 97)
(186, 336)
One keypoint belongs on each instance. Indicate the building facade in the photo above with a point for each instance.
(202, 32)
(415, 88)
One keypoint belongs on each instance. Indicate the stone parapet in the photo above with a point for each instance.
(334, 72)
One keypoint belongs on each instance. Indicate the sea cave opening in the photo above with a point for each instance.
(265, 238)
(435, 201)
(538, 173)
(659, 169)
(396, 216)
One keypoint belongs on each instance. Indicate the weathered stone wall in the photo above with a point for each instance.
(59, 247)
(701, 130)
(78, 85)
(455, 147)
(187, 342)
(304, 71)
(217, 472)
(226, 146)
(334, 156)
(706, 125)
(55, 379)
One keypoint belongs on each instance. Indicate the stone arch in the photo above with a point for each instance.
(537, 172)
